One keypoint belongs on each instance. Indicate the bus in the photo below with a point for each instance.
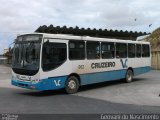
(58, 61)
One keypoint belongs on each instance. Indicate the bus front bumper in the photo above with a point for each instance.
(26, 85)
(46, 84)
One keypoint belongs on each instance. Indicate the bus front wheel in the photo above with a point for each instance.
(72, 85)
(129, 76)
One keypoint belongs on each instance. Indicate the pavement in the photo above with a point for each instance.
(144, 90)
(140, 96)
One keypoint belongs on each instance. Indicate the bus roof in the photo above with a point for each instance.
(87, 38)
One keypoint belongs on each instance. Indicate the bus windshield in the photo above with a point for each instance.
(26, 57)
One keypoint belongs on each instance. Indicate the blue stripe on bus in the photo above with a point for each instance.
(102, 76)
(90, 78)
(138, 71)
(109, 75)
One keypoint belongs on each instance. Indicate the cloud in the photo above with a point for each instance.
(27, 15)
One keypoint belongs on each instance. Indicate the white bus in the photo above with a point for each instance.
(58, 61)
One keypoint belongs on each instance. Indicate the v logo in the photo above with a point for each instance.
(57, 82)
(124, 63)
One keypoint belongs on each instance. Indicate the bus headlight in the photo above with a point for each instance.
(35, 81)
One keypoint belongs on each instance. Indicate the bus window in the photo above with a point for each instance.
(93, 50)
(108, 50)
(121, 50)
(131, 50)
(138, 50)
(76, 50)
(53, 55)
(145, 51)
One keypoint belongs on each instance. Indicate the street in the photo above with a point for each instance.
(140, 96)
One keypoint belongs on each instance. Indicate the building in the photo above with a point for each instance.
(5, 51)
(154, 39)
(115, 34)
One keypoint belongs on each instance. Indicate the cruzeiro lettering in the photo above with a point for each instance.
(103, 65)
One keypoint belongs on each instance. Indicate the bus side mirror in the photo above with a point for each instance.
(9, 49)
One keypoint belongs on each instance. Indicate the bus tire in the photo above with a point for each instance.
(72, 85)
(129, 76)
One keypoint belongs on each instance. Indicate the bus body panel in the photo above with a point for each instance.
(91, 75)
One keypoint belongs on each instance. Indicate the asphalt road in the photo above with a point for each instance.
(141, 96)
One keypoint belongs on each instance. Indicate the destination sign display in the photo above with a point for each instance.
(30, 37)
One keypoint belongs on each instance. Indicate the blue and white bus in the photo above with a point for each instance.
(58, 61)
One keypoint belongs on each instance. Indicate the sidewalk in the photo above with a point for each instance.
(5, 72)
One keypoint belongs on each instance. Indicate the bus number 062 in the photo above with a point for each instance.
(81, 67)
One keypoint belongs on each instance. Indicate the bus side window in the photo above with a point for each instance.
(76, 50)
(53, 55)
(93, 50)
(131, 50)
(45, 55)
(138, 50)
(107, 50)
(145, 51)
(121, 50)
(117, 54)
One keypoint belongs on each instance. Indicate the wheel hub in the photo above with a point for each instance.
(72, 84)
(129, 76)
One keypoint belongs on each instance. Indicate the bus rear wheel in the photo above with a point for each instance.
(129, 76)
(72, 85)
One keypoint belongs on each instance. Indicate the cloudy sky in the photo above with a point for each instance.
(21, 16)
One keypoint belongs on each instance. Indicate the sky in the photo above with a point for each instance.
(25, 16)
